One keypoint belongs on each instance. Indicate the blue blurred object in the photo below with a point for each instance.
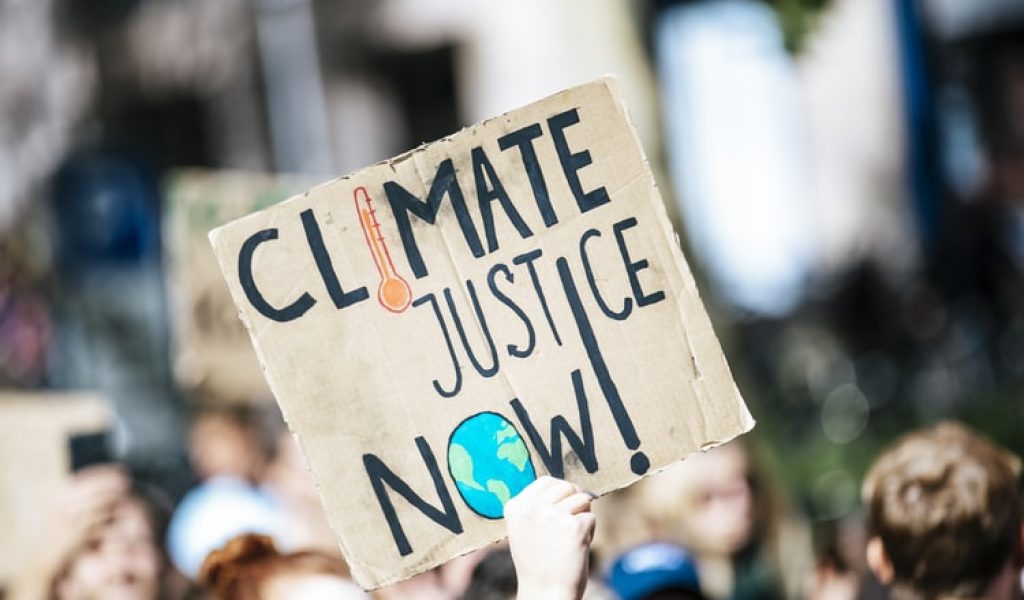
(106, 209)
(215, 512)
(919, 112)
(650, 568)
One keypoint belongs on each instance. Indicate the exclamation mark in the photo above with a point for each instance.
(639, 463)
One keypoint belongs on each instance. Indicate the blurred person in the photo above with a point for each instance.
(227, 442)
(944, 517)
(26, 322)
(834, 580)
(230, 455)
(494, 578)
(624, 523)
(426, 586)
(717, 505)
(289, 483)
(104, 542)
(655, 571)
(457, 574)
(448, 581)
(250, 567)
(215, 512)
(255, 481)
(550, 528)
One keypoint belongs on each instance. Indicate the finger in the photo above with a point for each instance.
(556, 492)
(90, 470)
(536, 487)
(588, 522)
(96, 499)
(542, 483)
(524, 498)
(101, 473)
(96, 507)
(99, 481)
(79, 532)
(576, 503)
(99, 496)
(86, 515)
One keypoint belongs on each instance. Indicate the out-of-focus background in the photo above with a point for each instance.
(847, 177)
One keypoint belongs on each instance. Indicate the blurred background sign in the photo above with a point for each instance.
(213, 358)
(37, 440)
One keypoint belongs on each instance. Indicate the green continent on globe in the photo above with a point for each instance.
(508, 431)
(461, 463)
(499, 489)
(514, 451)
(489, 463)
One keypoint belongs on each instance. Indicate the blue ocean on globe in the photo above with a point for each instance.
(489, 463)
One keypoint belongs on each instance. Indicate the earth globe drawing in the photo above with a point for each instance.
(489, 463)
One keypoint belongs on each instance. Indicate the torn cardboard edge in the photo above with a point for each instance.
(712, 390)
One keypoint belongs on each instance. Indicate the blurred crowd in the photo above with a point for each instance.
(943, 522)
(847, 177)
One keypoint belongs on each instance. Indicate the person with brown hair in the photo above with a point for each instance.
(249, 567)
(103, 541)
(724, 507)
(944, 516)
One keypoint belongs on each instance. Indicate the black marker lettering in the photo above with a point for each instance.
(528, 259)
(583, 448)
(639, 462)
(572, 163)
(252, 293)
(448, 342)
(380, 476)
(485, 371)
(523, 139)
(402, 203)
(489, 189)
(324, 265)
(627, 304)
(513, 350)
(632, 268)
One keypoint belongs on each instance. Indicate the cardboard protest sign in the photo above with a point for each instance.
(444, 327)
(35, 453)
(212, 353)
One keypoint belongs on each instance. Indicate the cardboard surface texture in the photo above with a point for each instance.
(443, 327)
(35, 454)
(213, 357)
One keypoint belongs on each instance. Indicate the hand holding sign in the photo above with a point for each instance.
(83, 507)
(549, 326)
(550, 528)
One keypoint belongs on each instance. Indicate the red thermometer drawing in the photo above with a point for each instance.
(393, 293)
